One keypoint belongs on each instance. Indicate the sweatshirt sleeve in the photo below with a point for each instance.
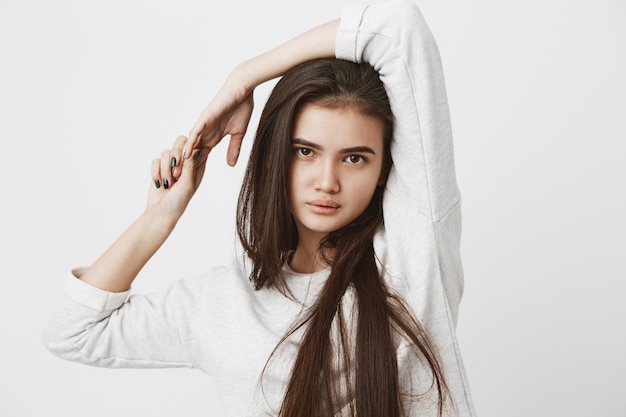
(101, 328)
(419, 246)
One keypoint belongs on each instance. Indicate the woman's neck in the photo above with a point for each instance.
(307, 258)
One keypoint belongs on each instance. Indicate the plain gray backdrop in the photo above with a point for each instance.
(91, 91)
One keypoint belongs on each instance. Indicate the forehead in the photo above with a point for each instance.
(338, 127)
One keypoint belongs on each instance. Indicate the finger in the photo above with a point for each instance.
(195, 136)
(176, 156)
(197, 128)
(194, 167)
(192, 170)
(155, 172)
(234, 147)
(166, 169)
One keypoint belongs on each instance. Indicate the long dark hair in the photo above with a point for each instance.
(369, 384)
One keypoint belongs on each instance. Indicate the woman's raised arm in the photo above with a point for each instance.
(174, 183)
(229, 111)
(179, 171)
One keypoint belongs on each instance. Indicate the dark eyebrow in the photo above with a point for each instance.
(306, 143)
(359, 149)
(356, 149)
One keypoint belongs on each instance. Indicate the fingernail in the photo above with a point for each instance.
(157, 184)
(197, 155)
(173, 161)
(185, 155)
(166, 183)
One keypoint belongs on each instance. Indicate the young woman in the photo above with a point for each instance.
(333, 308)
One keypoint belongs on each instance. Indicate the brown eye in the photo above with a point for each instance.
(355, 159)
(304, 151)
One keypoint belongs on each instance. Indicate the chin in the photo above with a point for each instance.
(324, 228)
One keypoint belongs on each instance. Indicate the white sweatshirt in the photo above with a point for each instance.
(218, 323)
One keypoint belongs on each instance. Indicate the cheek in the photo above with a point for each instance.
(300, 176)
(297, 183)
(362, 191)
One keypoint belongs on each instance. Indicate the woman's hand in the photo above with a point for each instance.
(175, 180)
(227, 114)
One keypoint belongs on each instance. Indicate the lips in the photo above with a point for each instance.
(324, 206)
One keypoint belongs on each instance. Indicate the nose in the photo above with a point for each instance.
(327, 180)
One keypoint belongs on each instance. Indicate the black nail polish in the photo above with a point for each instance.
(157, 183)
(166, 183)
(197, 155)
(173, 161)
(184, 155)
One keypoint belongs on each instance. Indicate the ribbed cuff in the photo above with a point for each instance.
(90, 296)
(347, 34)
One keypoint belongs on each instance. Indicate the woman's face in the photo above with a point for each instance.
(336, 165)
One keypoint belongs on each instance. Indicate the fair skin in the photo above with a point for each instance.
(182, 166)
(335, 169)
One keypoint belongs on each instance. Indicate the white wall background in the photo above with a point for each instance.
(91, 91)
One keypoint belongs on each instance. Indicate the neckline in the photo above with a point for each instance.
(321, 273)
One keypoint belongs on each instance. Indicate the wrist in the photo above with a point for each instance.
(245, 77)
(158, 224)
(264, 67)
